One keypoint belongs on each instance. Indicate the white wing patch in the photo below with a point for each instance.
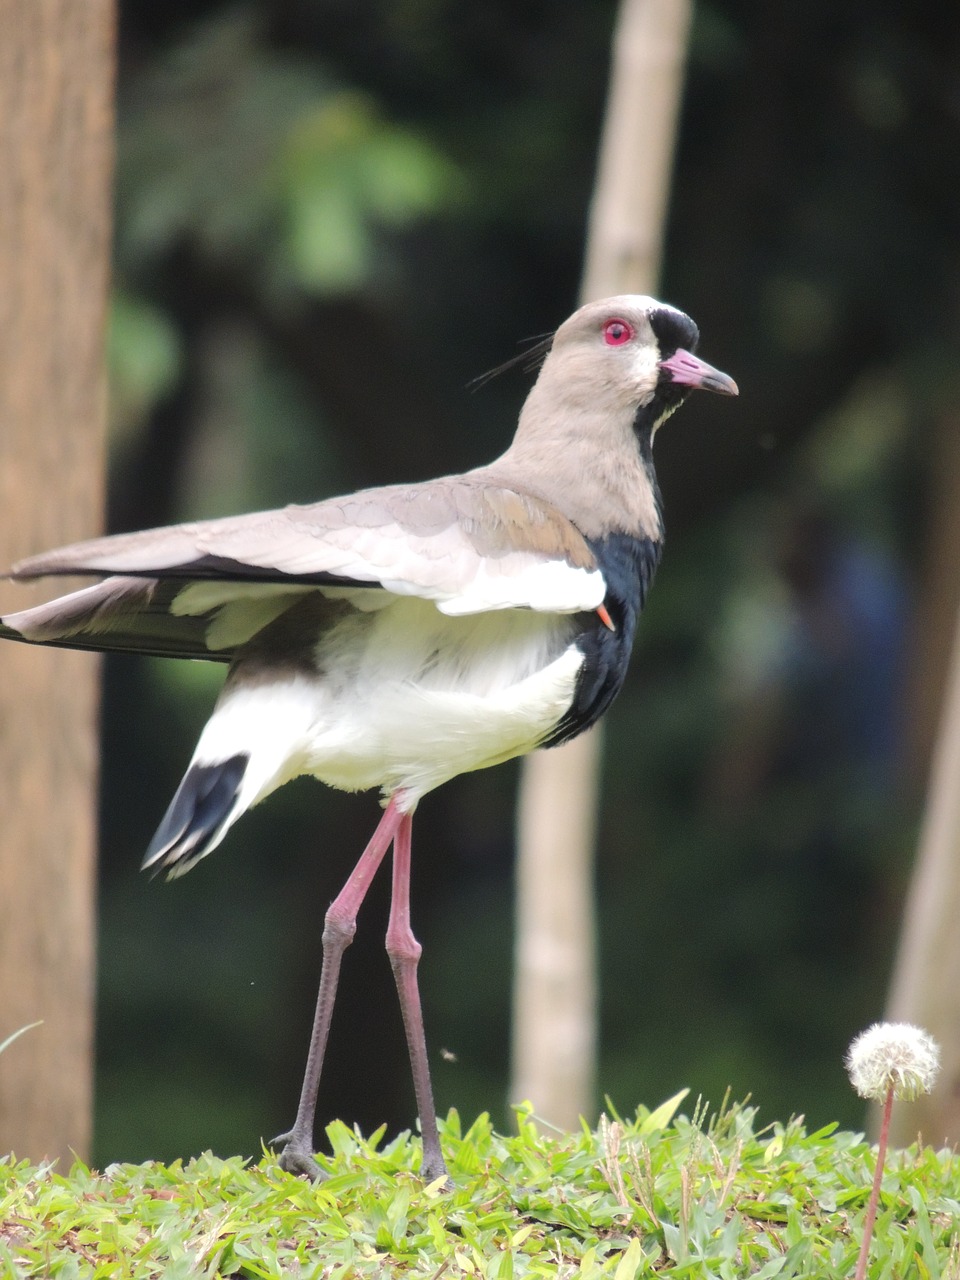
(547, 586)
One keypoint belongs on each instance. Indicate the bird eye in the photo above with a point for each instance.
(616, 333)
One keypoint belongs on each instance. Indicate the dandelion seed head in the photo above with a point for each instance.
(893, 1054)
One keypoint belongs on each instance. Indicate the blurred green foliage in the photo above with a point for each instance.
(332, 215)
(266, 162)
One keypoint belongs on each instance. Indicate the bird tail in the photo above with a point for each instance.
(206, 803)
(253, 743)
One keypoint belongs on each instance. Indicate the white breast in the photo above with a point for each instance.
(404, 697)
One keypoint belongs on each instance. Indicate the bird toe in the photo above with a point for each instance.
(297, 1158)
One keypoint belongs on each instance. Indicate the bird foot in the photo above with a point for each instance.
(428, 1176)
(296, 1156)
(433, 1167)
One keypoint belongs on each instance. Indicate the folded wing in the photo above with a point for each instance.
(201, 589)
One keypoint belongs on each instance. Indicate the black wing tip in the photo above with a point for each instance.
(197, 816)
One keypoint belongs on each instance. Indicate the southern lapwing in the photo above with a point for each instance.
(400, 636)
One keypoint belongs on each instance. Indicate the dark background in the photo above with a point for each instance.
(330, 217)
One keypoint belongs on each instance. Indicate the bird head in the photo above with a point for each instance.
(612, 374)
(634, 353)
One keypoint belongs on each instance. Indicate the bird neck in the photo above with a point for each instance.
(583, 456)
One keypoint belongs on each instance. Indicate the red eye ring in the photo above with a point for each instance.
(617, 332)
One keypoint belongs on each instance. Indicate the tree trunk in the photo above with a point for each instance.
(555, 990)
(56, 147)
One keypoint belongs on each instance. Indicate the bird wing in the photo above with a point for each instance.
(464, 543)
(118, 615)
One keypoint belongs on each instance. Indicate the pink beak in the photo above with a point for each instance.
(688, 370)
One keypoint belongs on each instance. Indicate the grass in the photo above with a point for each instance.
(659, 1194)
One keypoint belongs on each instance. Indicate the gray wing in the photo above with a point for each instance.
(201, 589)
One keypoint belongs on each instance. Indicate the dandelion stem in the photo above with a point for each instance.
(871, 1216)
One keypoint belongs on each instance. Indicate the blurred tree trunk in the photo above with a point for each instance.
(56, 147)
(926, 975)
(555, 988)
(939, 599)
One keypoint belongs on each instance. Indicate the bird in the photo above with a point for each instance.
(399, 636)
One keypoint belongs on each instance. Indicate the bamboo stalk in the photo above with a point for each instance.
(555, 986)
(926, 975)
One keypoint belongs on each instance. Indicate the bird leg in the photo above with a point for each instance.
(404, 952)
(339, 926)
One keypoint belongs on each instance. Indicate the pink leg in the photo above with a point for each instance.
(340, 924)
(404, 952)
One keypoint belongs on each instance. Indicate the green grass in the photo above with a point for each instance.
(660, 1194)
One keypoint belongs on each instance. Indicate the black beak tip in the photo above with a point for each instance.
(721, 383)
